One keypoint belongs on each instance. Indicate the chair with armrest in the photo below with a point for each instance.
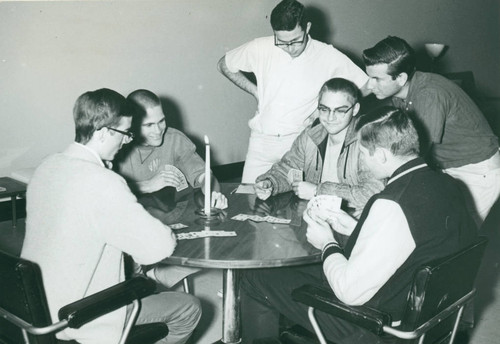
(439, 293)
(24, 312)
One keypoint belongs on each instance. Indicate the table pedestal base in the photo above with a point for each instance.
(231, 326)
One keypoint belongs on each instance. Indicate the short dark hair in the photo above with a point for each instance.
(394, 51)
(287, 15)
(390, 128)
(145, 99)
(97, 109)
(141, 100)
(341, 85)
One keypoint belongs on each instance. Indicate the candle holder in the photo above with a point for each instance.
(211, 218)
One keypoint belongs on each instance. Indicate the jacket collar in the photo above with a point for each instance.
(318, 133)
(412, 165)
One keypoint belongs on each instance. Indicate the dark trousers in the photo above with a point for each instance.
(266, 293)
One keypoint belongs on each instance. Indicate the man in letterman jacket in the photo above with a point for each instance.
(419, 216)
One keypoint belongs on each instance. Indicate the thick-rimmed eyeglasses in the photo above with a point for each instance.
(289, 44)
(339, 112)
(128, 134)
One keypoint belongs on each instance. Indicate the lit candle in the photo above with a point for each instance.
(207, 176)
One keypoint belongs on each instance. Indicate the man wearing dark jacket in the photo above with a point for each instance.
(420, 216)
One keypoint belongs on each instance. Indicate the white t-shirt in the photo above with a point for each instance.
(332, 153)
(288, 87)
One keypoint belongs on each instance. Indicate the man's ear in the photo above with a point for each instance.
(100, 134)
(402, 78)
(381, 155)
(355, 109)
(308, 27)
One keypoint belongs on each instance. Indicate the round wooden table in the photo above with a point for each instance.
(256, 245)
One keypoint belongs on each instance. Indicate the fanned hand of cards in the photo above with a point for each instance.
(183, 185)
(257, 218)
(204, 234)
(323, 205)
(295, 175)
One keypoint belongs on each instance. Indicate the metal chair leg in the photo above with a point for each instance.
(314, 323)
(185, 283)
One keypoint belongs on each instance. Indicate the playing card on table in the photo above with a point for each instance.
(240, 217)
(204, 234)
(177, 226)
(179, 174)
(273, 219)
(245, 189)
(218, 233)
(256, 218)
(295, 175)
(269, 218)
(183, 236)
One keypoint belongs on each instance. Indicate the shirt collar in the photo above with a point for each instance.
(93, 152)
(406, 168)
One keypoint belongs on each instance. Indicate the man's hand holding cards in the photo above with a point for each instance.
(263, 189)
(178, 179)
(327, 208)
(324, 206)
(295, 175)
(303, 190)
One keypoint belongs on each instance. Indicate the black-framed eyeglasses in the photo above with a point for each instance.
(340, 112)
(128, 134)
(282, 44)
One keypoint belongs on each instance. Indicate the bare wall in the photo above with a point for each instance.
(51, 52)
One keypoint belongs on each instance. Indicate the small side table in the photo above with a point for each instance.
(13, 188)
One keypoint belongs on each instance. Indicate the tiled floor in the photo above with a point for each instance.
(206, 284)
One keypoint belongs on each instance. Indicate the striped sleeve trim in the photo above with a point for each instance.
(330, 249)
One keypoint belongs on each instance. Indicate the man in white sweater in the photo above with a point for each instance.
(82, 217)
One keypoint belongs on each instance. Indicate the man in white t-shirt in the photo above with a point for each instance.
(290, 68)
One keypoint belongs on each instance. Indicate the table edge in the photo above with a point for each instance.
(242, 264)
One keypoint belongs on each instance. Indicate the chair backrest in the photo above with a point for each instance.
(440, 283)
(22, 294)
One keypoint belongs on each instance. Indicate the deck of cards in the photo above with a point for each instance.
(323, 205)
(204, 234)
(179, 174)
(295, 175)
(257, 218)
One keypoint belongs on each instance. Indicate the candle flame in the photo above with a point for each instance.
(206, 140)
